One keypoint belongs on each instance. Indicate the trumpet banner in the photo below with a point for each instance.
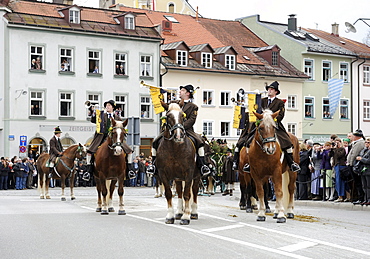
(155, 94)
(254, 104)
(237, 114)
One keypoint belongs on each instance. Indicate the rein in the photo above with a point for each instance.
(64, 163)
(173, 128)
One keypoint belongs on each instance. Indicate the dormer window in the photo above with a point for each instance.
(230, 62)
(182, 58)
(74, 15)
(129, 22)
(274, 58)
(207, 60)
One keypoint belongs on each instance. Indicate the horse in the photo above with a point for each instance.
(110, 167)
(64, 167)
(176, 156)
(264, 157)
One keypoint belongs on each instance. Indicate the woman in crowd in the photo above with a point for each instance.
(315, 174)
(364, 158)
(339, 160)
(328, 172)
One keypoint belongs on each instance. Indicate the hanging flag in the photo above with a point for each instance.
(236, 120)
(155, 93)
(335, 87)
(254, 104)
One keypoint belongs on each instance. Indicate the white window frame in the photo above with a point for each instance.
(66, 97)
(119, 59)
(146, 68)
(64, 55)
(292, 128)
(145, 101)
(343, 72)
(274, 58)
(230, 62)
(208, 127)
(129, 22)
(74, 15)
(326, 108)
(182, 58)
(344, 108)
(95, 100)
(94, 57)
(366, 74)
(227, 125)
(173, 94)
(366, 109)
(37, 51)
(292, 102)
(39, 97)
(312, 105)
(206, 59)
(121, 101)
(225, 98)
(327, 71)
(309, 69)
(206, 95)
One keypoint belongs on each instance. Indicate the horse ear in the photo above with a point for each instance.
(275, 114)
(124, 124)
(112, 120)
(164, 105)
(259, 116)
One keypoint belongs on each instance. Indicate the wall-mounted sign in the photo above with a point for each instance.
(11, 138)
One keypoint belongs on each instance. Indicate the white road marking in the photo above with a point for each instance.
(88, 208)
(298, 246)
(222, 228)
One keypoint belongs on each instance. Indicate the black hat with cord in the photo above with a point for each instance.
(273, 85)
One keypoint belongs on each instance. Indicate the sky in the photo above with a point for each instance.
(313, 14)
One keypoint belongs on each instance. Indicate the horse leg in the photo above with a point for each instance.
(260, 193)
(41, 184)
(185, 219)
(104, 192)
(71, 185)
(98, 189)
(180, 204)
(194, 197)
(211, 185)
(279, 207)
(121, 210)
(170, 219)
(243, 192)
(266, 190)
(111, 185)
(291, 188)
(63, 183)
(46, 185)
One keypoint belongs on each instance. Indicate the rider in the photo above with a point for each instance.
(241, 142)
(101, 134)
(191, 111)
(56, 149)
(274, 104)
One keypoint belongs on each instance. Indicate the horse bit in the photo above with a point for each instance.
(265, 140)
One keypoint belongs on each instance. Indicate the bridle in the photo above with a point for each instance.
(261, 140)
(116, 144)
(171, 129)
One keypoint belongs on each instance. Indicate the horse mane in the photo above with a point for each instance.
(174, 107)
(267, 118)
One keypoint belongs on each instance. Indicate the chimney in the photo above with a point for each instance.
(335, 29)
(292, 23)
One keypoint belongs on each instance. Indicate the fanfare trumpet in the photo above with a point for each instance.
(143, 84)
(91, 107)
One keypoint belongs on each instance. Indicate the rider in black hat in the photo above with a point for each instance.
(56, 149)
(191, 111)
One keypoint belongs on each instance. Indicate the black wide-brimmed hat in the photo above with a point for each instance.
(358, 133)
(188, 88)
(57, 130)
(113, 103)
(273, 85)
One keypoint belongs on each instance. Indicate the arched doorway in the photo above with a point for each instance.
(36, 146)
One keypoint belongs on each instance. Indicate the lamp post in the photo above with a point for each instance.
(351, 27)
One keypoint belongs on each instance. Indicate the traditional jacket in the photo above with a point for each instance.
(55, 148)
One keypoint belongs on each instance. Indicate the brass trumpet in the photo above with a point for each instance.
(91, 107)
(158, 87)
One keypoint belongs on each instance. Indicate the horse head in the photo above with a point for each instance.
(117, 136)
(174, 128)
(81, 151)
(266, 125)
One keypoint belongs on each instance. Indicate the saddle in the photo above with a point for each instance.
(47, 163)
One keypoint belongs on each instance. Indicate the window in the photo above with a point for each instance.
(121, 105)
(129, 22)
(326, 70)
(208, 97)
(37, 57)
(274, 58)
(37, 101)
(225, 128)
(308, 68)
(120, 63)
(230, 62)
(94, 62)
(65, 59)
(207, 60)
(65, 100)
(145, 65)
(292, 128)
(94, 100)
(208, 128)
(172, 94)
(344, 72)
(145, 107)
(325, 109)
(74, 16)
(171, 8)
(182, 58)
(344, 112)
(292, 102)
(366, 110)
(309, 107)
(225, 98)
(366, 74)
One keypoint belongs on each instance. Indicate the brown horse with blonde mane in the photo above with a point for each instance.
(64, 168)
(264, 157)
(176, 161)
(110, 167)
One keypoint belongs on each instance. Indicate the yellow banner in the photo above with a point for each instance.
(251, 107)
(236, 120)
(155, 94)
(98, 120)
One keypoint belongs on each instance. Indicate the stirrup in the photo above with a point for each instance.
(295, 167)
(131, 174)
(205, 170)
(246, 168)
(235, 166)
(150, 169)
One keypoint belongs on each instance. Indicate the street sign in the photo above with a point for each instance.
(22, 149)
(23, 141)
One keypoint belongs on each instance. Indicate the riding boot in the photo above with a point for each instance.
(152, 168)
(51, 169)
(289, 158)
(236, 159)
(131, 173)
(90, 163)
(204, 169)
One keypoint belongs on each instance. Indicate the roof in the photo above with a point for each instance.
(40, 14)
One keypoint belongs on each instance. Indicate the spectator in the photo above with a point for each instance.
(117, 69)
(96, 70)
(18, 171)
(326, 167)
(135, 169)
(33, 64)
(142, 171)
(38, 63)
(31, 174)
(303, 174)
(4, 173)
(364, 159)
(81, 170)
(339, 160)
(316, 172)
(228, 174)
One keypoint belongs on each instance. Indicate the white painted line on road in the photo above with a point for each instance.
(215, 217)
(298, 246)
(222, 228)
(88, 208)
(233, 240)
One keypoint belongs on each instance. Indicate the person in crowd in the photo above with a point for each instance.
(339, 160)
(326, 168)
(135, 169)
(96, 70)
(65, 64)
(33, 64)
(4, 173)
(11, 177)
(26, 172)
(121, 70)
(18, 171)
(81, 170)
(303, 174)
(117, 70)
(191, 111)
(364, 161)
(56, 149)
(316, 171)
(38, 63)
(228, 174)
(142, 171)
(32, 172)
(357, 144)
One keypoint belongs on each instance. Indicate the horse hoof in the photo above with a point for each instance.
(73, 198)
(242, 207)
(170, 221)
(121, 212)
(184, 222)
(249, 210)
(98, 210)
(275, 216)
(48, 197)
(254, 207)
(290, 215)
(42, 197)
(178, 216)
(63, 199)
(261, 218)
(281, 220)
(104, 212)
(111, 209)
(268, 210)
(193, 216)
(156, 196)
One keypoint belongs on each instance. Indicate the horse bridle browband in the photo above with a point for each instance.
(116, 144)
